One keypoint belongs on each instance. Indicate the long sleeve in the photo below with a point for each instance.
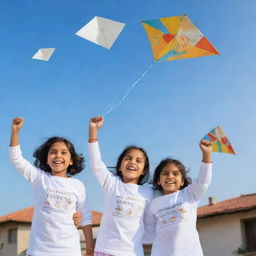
(24, 167)
(98, 168)
(200, 185)
(83, 206)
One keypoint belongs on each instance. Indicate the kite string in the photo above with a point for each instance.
(128, 91)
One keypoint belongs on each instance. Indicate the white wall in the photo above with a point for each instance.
(222, 235)
(23, 238)
(6, 248)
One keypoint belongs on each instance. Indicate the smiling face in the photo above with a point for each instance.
(170, 179)
(132, 166)
(59, 159)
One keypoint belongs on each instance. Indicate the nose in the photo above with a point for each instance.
(132, 161)
(170, 175)
(58, 154)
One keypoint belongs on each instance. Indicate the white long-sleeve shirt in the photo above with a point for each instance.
(53, 232)
(176, 215)
(122, 224)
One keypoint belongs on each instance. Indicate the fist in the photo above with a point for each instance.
(17, 123)
(96, 122)
(206, 146)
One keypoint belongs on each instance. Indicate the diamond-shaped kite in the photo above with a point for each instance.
(174, 38)
(220, 142)
(101, 31)
(44, 54)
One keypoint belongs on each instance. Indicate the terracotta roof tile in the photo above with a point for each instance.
(233, 205)
(26, 215)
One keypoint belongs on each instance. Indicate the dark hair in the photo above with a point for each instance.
(144, 177)
(178, 164)
(41, 154)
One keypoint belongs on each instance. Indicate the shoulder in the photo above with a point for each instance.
(159, 198)
(77, 183)
(147, 191)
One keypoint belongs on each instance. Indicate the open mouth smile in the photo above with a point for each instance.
(131, 168)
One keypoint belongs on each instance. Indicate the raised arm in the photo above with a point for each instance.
(97, 166)
(206, 148)
(95, 123)
(200, 185)
(17, 123)
(25, 168)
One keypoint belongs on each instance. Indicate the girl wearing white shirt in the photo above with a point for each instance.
(57, 196)
(175, 212)
(126, 198)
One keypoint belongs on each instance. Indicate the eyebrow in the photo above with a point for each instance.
(140, 158)
(54, 149)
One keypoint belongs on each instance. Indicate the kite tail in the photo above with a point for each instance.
(128, 91)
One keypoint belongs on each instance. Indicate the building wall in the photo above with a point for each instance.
(222, 235)
(23, 238)
(7, 249)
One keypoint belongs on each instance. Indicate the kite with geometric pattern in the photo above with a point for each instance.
(220, 142)
(174, 38)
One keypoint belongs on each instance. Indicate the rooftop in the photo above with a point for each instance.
(233, 205)
(25, 215)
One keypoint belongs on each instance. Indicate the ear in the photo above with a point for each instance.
(71, 162)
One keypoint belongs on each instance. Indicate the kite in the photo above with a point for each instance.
(220, 142)
(44, 54)
(172, 38)
(176, 37)
(101, 31)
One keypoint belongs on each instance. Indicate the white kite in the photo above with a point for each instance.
(44, 54)
(101, 31)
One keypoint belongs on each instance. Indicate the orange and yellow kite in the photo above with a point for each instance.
(176, 38)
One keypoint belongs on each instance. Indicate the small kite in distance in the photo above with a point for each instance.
(220, 142)
(44, 54)
(101, 31)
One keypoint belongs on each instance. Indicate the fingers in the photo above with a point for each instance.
(18, 121)
(97, 119)
(206, 143)
(77, 218)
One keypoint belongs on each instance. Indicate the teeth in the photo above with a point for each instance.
(58, 162)
(131, 168)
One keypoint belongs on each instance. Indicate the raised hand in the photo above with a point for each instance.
(206, 147)
(96, 122)
(17, 123)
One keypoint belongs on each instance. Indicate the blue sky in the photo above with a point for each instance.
(167, 113)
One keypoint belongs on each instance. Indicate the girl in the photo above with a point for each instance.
(176, 210)
(126, 199)
(57, 196)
